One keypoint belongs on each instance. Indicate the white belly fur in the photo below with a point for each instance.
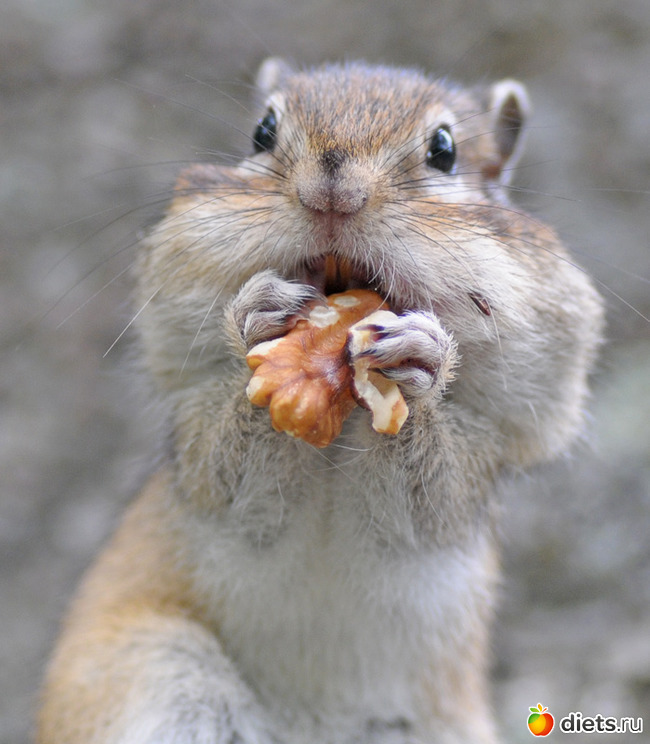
(326, 621)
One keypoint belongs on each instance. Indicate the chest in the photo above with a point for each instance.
(329, 619)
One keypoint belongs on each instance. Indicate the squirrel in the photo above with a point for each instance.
(264, 591)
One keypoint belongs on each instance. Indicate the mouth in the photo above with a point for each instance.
(330, 274)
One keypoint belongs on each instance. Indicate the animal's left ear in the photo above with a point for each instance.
(508, 108)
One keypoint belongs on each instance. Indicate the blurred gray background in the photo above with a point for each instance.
(101, 102)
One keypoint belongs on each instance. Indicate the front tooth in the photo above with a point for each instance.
(345, 271)
(331, 270)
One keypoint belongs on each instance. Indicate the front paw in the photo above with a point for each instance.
(266, 306)
(415, 351)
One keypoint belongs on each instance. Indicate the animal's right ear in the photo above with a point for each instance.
(271, 74)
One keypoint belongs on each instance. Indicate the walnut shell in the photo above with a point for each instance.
(306, 377)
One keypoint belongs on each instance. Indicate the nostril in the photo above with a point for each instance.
(349, 201)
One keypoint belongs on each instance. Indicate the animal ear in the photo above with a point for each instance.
(271, 74)
(509, 108)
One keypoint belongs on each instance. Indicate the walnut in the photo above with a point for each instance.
(371, 389)
(307, 377)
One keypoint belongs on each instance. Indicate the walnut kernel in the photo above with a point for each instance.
(308, 381)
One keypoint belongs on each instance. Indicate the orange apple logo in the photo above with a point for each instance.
(540, 722)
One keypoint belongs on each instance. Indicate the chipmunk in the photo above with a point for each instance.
(264, 591)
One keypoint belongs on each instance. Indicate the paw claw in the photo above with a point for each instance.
(414, 351)
(268, 306)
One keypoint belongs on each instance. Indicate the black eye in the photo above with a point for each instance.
(442, 150)
(265, 133)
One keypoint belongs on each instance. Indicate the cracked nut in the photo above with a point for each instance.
(312, 378)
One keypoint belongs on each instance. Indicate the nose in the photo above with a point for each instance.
(335, 184)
